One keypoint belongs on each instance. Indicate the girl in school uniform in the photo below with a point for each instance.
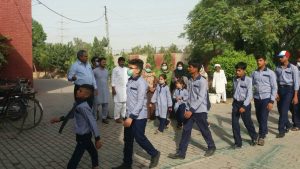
(180, 96)
(163, 101)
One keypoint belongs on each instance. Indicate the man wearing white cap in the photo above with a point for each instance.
(219, 83)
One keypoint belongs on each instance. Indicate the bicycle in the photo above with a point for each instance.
(19, 107)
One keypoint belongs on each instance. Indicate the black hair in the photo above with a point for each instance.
(179, 63)
(260, 56)
(94, 59)
(88, 87)
(241, 65)
(137, 62)
(81, 53)
(195, 64)
(164, 63)
(164, 76)
(121, 59)
(181, 81)
(101, 58)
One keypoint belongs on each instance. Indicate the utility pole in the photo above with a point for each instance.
(61, 31)
(107, 31)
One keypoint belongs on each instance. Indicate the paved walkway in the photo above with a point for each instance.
(43, 147)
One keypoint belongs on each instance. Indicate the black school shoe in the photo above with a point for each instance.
(154, 160)
(280, 135)
(288, 129)
(122, 166)
(253, 142)
(105, 121)
(235, 146)
(210, 152)
(108, 117)
(176, 156)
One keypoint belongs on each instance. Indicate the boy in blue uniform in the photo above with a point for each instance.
(288, 86)
(136, 116)
(241, 106)
(265, 90)
(196, 111)
(85, 124)
(296, 107)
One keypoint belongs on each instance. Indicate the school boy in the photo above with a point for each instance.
(85, 124)
(136, 116)
(196, 112)
(241, 105)
(296, 107)
(265, 90)
(288, 85)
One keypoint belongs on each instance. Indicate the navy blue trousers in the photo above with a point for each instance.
(136, 131)
(262, 115)
(84, 142)
(163, 122)
(246, 117)
(295, 109)
(201, 121)
(180, 114)
(286, 94)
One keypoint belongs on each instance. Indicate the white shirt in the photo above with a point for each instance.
(119, 80)
(219, 81)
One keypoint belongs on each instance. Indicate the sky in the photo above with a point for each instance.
(131, 22)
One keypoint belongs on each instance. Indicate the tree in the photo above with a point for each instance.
(174, 49)
(110, 64)
(264, 26)
(168, 59)
(98, 48)
(79, 44)
(136, 50)
(150, 59)
(4, 49)
(60, 56)
(38, 44)
(162, 50)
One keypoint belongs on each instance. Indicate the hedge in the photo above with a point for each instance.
(228, 60)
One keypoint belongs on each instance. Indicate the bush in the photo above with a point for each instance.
(228, 60)
(4, 49)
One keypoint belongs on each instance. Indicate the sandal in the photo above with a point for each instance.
(295, 129)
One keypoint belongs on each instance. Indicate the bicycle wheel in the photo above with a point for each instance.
(16, 113)
(34, 113)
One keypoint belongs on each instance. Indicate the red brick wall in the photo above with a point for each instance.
(159, 59)
(16, 23)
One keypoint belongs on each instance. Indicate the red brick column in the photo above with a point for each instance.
(16, 23)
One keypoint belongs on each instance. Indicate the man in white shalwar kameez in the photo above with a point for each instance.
(118, 83)
(219, 83)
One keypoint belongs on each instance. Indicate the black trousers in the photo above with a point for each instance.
(84, 142)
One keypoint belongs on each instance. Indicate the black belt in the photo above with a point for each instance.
(285, 86)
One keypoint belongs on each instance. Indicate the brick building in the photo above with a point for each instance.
(16, 23)
(158, 58)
